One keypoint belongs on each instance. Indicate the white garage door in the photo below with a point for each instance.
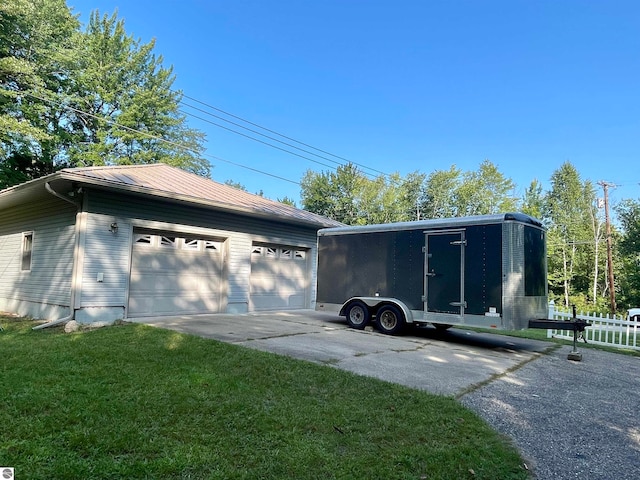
(175, 274)
(279, 277)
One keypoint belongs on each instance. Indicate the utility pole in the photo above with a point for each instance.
(612, 291)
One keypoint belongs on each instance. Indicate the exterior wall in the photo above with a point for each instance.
(103, 270)
(110, 254)
(45, 290)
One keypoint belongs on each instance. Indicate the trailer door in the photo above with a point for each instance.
(444, 272)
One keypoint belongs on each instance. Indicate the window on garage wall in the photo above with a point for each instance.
(27, 250)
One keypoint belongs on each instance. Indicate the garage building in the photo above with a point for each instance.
(106, 243)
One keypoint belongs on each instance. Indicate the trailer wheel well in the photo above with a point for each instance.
(374, 304)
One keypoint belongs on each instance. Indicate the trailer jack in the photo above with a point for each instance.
(576, 324)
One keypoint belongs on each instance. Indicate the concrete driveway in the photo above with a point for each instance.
(445, 364)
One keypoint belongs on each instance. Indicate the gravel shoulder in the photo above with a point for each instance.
(569, 419)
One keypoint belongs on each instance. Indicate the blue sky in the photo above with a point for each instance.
(400, 86)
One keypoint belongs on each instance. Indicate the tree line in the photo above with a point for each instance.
(82, 96)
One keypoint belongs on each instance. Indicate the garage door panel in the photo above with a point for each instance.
(175, 284)
(278, 301)
(168, 280)
(279, 278)
(161, 261)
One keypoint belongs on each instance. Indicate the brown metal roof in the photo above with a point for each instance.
(178, 185)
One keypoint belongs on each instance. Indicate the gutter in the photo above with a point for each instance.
(72, 296)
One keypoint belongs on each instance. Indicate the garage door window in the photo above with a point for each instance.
(190, 244)
(280, 253)
(211, 245)
(168, 242)
(181, 243)
(142, 239)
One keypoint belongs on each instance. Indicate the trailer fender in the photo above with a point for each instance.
(374, 303)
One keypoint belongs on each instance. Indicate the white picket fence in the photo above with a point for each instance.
(612, 331)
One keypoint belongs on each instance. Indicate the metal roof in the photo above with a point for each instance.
(174, 184)
(436, 223)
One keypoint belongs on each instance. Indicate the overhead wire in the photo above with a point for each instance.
(237, 117)
(256, 139)
(156, 137)
(279, 134)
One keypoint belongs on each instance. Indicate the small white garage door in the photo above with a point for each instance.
(279, 277)
(175, 274)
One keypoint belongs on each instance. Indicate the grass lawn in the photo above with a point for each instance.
(131, 401)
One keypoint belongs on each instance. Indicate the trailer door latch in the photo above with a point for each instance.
(458, 242)
(458, 304)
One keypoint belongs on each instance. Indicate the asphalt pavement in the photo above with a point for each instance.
(569, 419)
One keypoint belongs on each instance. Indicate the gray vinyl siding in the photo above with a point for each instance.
(239, 232)
(108, 254)
(49, 280)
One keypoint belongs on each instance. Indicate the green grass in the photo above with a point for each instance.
(131, 401)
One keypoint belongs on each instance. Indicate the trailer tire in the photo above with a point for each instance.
(358, 315)
(390, 319)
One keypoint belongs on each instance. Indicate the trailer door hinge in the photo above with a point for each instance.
(424, 249)
(458, 242)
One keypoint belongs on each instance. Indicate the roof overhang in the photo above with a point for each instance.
(65, 182)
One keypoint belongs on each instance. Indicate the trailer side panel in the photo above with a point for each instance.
(382, 263)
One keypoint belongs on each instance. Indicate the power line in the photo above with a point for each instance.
(257, 140)
(279, 134)
(253, 131)
(156, 137)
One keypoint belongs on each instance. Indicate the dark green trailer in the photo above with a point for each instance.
(486, 271)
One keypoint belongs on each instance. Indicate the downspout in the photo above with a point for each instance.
(72, 296)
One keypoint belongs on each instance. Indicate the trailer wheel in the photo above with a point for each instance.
(358, 315)
(390, 319)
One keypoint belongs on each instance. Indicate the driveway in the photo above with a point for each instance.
(445, 364)
(570, 420)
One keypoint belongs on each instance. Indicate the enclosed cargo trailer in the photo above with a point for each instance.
(486, 271)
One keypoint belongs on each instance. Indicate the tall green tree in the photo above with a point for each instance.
(454, 193)
(485, 191)
(628, 213)
(124, 104)
(37, 41)
(533, 200)
(96, 97)
(334, 194)
(439, 192)
(569, 209)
